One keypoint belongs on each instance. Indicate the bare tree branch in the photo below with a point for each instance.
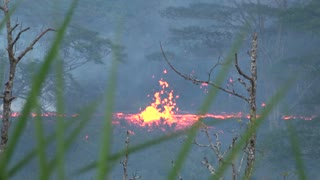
(241, 161)
(244, 84)
(125, 161)
(33, 43)
(14, 27)
(211, 70)
(231, 146)
(214, 147)
(200, 145)
(135, 177)
(251, 100)
(197, 81)
(234, 171)
(19, 34)
(11, 47)
(241, 10)
(74, 64)
(208, 165)
(239, 70)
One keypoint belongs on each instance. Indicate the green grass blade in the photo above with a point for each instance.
(35, 90)
(145, 145)
(295, 146)
(103, 166)
(248, 133)
(28, 157)
(136, 148)
(74, 134)
(60, 151)
(41, 144)
(294, 141)
(84, 117)
(117, 156)
(207, 103)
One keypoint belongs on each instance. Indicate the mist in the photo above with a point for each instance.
(195, 36)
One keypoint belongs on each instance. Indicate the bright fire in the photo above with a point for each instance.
(162, 107)
(163, 110)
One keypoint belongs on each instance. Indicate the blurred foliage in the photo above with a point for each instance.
(304, 18)
(82, 46)
(224, 22)
(76, 148)
(282, 28)
(275, 147)
(157, 56)
(208, 11)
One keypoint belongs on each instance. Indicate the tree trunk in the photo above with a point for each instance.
(251, 100)
(7, 99)
(251, 144)
(7, 94)
(13, 61)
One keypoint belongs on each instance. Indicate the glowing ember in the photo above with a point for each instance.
(230, 80)
(204, 86)
(86, 137)
(131, 132)
(164, 111)
(306, 118)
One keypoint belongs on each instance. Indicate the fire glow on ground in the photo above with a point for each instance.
(163, 110)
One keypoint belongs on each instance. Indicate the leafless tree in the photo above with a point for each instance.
(249, 82)
(124, 163)
(13, 35)
(219, 153)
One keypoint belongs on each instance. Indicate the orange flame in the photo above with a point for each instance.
(164, 111)
(162, 107)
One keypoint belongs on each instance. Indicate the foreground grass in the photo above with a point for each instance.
(106, 159)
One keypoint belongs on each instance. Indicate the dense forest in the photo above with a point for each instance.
(151, 89)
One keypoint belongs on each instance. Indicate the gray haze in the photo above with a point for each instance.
(143, 25)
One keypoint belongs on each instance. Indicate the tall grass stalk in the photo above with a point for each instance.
(295, 146)
(104, 166)
(60, 119)
(252, 129)
(37, 82)
(41, 144)
(84, 116)
(106, 160)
